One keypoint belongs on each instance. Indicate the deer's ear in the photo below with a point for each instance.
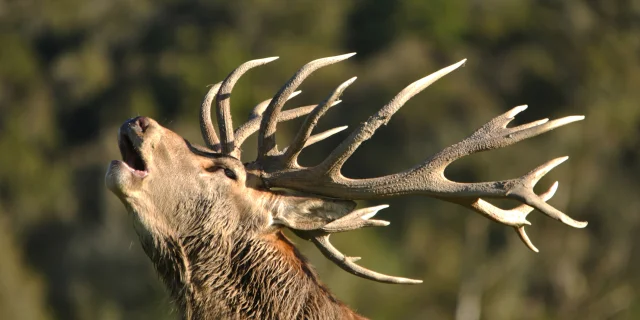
(304, 212)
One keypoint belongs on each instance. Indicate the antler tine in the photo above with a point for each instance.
(354, 220)
(323, 135)
(251, 126)
(526, 210)
(290, 157)
(341, 154)
(223, 101)
(516, 217)
(320, 136)
(206, 125)
(258, 110)
(319, 235)
(523, 191)
(348, 263)
(266, 138)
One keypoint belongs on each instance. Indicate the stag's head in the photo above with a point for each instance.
(177, 189)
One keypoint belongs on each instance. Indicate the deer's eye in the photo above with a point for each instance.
(230, 174)
(227, 172)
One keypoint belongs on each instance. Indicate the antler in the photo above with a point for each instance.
(232, 140)
(355, 220)
(281, 169)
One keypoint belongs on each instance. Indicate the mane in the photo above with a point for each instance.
(265, 277)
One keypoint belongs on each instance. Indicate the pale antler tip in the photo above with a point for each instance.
(541, 121)
(545, 168)
(551, 192)
(513, 112)
(336, 102)
(574, 223)
(523, 236)
(269, 59)
(553, 163)
(373, 211)
(537, 173)
(426, 81)
(338, 58)
(574, 118)
(455, 65)
(567, 120)
(345, 84)
(331, 132)
(295, 93)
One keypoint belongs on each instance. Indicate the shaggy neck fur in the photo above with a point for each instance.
(215, 277)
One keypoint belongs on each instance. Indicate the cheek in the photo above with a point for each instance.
(164, 203)
(197, 202)
(206, 206)
(253, 210)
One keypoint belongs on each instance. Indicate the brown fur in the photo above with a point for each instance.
(212, 238)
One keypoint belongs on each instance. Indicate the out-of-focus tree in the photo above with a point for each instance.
(71, 71)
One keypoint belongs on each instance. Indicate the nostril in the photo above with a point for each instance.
(143, 123)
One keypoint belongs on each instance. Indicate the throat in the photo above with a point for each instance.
(261, 278)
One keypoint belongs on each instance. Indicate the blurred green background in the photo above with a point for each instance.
(71, 71)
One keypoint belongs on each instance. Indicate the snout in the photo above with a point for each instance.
(136, 138)
(137, 132)
(148, 151)
(137, 126)
(133, 137)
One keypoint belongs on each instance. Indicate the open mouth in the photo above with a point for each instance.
(131, 156)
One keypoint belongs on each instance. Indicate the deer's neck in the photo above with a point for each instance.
(263, 278)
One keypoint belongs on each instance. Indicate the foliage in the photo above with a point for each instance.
(71, 71)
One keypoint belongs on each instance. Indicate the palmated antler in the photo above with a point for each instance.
(281, 169)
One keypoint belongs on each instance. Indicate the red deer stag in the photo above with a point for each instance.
(213, 226)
